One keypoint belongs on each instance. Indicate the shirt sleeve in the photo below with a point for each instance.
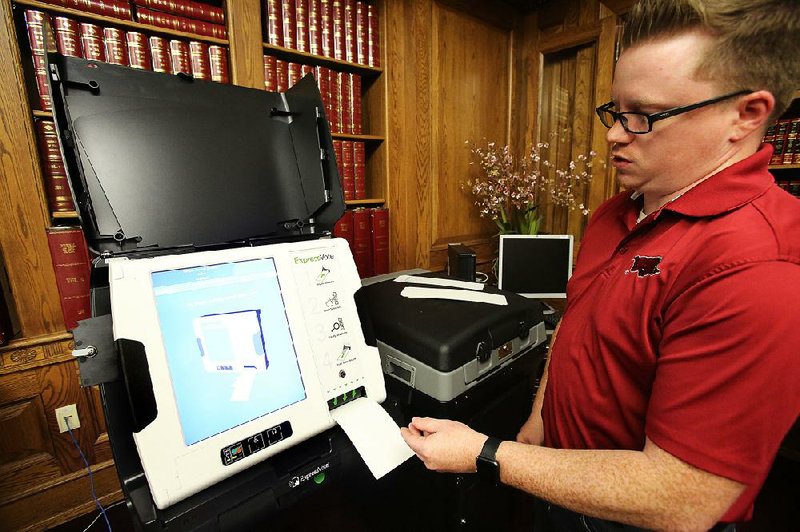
(727, 385)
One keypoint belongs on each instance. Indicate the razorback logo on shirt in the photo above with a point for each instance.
(645, 266)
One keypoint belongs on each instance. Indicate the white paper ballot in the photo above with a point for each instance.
(434, 281)
(418, 292)
(375, 435)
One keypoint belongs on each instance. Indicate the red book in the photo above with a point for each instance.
(305, 70)
(92, 42)
(159, 50)
(68, 36)
(116, 46)
(187, 8)
(326, 27)
(345, 103)
(281, 75)
(274, 22)
(379, 226)
(59, 195)
(360, 170)
(362, 242)
(34, 21)
(198, 55)
(333, 102)
(181, 57)
(348, 170)
(218, 63)
(343, 228)
(270, 74)
(350, 30)
(362, 34)
(323, 82)
(301, 23)
(337, 12)
(294, 72)
(314, 27)
(373, 36)
(355, 102)
(138, 50)
(339, 158)
(70, 257)
(289, 23)
(175, 22)
(110, 8)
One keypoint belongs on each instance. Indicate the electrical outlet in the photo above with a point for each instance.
(71, 413)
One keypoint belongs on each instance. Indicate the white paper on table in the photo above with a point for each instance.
(418, 292)
(374, 433)
(434, 281)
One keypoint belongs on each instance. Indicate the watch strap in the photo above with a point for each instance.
(486, 462)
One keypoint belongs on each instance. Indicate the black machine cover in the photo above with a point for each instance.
(159, 162)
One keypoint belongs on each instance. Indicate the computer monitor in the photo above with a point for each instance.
(536, 266)
(246, 348)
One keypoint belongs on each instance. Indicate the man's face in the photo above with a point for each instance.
(655, 76)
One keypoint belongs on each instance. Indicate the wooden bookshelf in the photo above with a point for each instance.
(784, 166)
(290, 54)
(365, 138)
(368, 201)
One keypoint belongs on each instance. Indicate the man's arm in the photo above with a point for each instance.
(648, 488)
(532, 432)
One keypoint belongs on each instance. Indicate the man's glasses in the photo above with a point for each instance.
(641, 123)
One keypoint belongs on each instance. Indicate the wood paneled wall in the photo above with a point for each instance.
(456, 74)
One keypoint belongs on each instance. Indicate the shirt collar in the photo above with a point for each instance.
(728, 189)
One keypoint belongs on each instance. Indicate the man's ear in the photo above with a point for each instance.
(754, 111)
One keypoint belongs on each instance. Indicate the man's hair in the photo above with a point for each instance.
(756, 42)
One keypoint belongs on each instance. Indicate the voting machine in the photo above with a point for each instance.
(233, 346)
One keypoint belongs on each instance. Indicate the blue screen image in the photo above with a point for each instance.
(229, 349)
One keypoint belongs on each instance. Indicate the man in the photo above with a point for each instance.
(676, 369)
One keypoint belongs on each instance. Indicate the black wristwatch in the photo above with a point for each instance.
(488, 468)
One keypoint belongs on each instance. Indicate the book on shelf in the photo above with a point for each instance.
(326, 27)
(289, 23)
(343, 228)
(337, 13)
(56, 187)
(159, 51)
(333, 102)
(281, 75)
(138, 50)
(186, 8)
(345, 103)
(70, 256)
(373, 47)
(68, 33)
(301, 25)
(34, 21)
(198, 54)
(218, 63)
(270, 74)
(315, 27)
(179, 23)
(92, 42)
(350, 31)
(180, 57)
(294, 72)
(339, 158)
(355, 104)
(361, 34)
(116, 46)
(348, 170)
(362, 242)
(274, 17)
(120, 9)
(379, 229)
(359, 170)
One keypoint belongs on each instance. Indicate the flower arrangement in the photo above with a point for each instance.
(510, 191)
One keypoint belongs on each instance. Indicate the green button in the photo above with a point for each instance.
(319, 478)
(355, 394)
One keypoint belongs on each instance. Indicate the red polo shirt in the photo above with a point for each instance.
(685, 328)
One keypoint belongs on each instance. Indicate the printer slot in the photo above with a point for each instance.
(347, 397)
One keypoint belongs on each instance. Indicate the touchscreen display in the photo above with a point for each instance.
(229, 348)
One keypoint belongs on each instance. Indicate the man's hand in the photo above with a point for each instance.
(444, 445)
(532, 432)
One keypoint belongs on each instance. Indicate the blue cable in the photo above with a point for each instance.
(91, 477)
